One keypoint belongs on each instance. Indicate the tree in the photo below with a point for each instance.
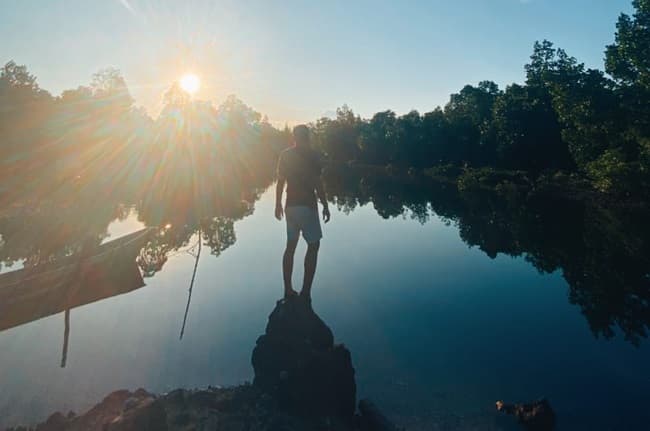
(175, 97)
(18, 86)
(591, 116)
(627, 60)
(436, 136)
(24, 111)
(236, 111)
(469, 114)
(110, 90)
(410, 143)
(526, 123)
(378, 141)
(528, 132)
(339, 138)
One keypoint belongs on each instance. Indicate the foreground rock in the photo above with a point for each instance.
(303, 381)
(232, 409)
(297, 362)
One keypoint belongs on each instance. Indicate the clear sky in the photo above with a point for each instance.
(298, 60)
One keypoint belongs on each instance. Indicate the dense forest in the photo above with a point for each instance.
(565, 118)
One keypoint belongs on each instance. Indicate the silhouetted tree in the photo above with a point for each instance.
(378, 139)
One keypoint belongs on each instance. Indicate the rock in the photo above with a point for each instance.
(147, 415)
(372, 419)
(56, 422)
(536, 416)
(297, 362)
(120, 407)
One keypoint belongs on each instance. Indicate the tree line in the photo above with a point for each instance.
(564, 117)
(94, 139)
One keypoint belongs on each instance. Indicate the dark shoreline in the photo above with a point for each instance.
(484, 179)
(229, 409)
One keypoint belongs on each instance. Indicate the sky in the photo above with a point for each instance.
(296, 61)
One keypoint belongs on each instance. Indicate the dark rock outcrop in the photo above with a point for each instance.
(226, 409)
(371, 419)
(297, 363)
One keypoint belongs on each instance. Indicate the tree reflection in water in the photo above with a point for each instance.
(603, 253)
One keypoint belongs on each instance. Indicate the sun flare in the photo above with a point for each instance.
(190, 83)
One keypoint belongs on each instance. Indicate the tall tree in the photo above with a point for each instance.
(469, 114)
(627, 60)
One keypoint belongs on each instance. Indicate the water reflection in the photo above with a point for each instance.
(95, 273)
(602, 253)
(55, 250)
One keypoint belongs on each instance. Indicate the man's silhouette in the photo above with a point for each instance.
(299, 167)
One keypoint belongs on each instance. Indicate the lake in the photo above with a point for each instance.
(447, 302)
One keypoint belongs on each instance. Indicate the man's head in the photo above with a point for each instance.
(301, 135)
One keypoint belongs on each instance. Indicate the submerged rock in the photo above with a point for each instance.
(536, 416)
(297, 362)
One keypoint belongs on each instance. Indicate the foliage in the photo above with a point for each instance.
(563, 118)
(611, 173)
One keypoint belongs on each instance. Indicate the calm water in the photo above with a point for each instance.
(445, 310)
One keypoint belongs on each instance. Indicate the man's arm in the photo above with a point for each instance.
(279, 189)
(320, 192)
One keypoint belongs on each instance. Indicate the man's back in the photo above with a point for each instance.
(302, 168)
(299, 168)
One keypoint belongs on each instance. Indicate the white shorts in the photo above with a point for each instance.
(303, 219)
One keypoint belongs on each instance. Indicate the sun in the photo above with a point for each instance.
(190, 83)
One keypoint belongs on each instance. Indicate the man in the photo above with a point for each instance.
(300, 169)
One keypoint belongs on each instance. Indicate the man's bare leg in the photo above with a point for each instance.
(311, 258)
(287, 267)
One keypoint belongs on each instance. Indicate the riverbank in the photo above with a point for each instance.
(245, 407)
(559, 184)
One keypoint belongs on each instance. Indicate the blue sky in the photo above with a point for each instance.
(296, 60)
